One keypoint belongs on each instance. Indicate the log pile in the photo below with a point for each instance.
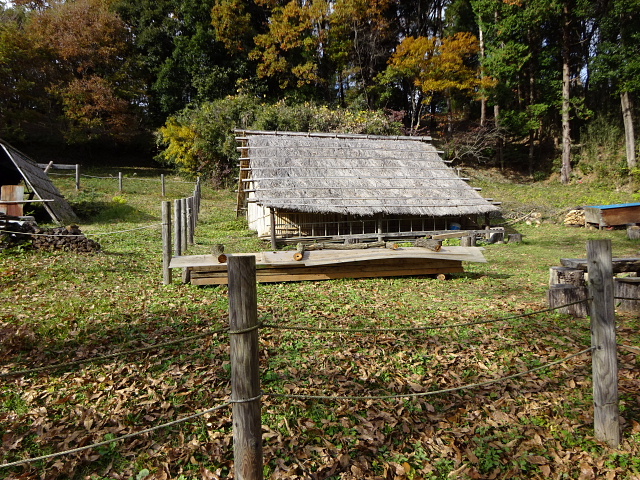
(575, 217)
(70, 238)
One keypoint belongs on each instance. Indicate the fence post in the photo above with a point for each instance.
(120, 181)
(603, 339)
(77, 177)
(189, 220)
(183, 223)
(177, 207)
(245, 375)
(164, 188)
(166, 242)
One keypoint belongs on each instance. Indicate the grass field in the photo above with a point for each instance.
(59, 307)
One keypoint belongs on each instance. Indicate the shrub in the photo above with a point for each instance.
(200, 141)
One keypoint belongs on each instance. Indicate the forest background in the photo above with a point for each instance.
(539, 86)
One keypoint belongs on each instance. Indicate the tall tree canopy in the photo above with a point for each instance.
(536, 70)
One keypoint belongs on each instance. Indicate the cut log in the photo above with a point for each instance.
(351, 240)
(561, 295)
(566, 275)
(217, 252)
(433, 245)
(515, 238)
(468, 241)
(338, 246)
(625, 289)
(299, 255)
(633, 232)
(391, 245)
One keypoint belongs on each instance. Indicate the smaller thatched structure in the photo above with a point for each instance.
(332, 185)
(16, 167)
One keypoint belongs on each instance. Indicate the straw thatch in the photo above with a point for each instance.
(353, 175)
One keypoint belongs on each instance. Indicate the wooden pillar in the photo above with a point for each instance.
(120, 181)
(77, 177)
(272, 219)
(177, 207)
(164, 188)
(166, 242)
(245, 374)
(603, 339)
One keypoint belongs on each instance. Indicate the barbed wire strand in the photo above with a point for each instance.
(412, 329)
(154, 225)
(425, 394)
(117, 439)
(630, 348)
(626, 298)
(111, 355)
(82, 175)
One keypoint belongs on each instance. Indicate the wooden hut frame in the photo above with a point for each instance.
(16, 166)
(296, 185)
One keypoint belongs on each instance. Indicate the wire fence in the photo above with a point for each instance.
(308, 397)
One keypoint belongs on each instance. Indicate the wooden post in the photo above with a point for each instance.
(245, 374)
(272, 218)
(77, 177)
(603, 339)
(183, 223)
(120, 181)
(166, 242)
(190, 226)
(177, 207)
(164, 188)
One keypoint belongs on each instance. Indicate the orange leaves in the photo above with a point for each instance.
(439, 65)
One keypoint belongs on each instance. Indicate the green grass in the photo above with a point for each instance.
(58, 307)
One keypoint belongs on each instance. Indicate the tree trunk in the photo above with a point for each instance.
(565, 172)
(629, 133)
(483, 98)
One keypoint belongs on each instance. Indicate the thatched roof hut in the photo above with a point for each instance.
(312, 184)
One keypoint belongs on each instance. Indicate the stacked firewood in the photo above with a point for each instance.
(574, 217)
(69, 238)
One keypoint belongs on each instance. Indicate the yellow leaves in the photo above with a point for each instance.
(439, 65)
(180, 144)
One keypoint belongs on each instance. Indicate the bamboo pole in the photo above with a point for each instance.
(603, 339)
(245, 374)
(166, 242)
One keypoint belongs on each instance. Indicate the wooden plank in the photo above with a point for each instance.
(280, 277)
(332, 257)
(620, 265)
(12, 197)
(371, 266)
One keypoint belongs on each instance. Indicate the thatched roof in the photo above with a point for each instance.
(353, 174)
(15, 165)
